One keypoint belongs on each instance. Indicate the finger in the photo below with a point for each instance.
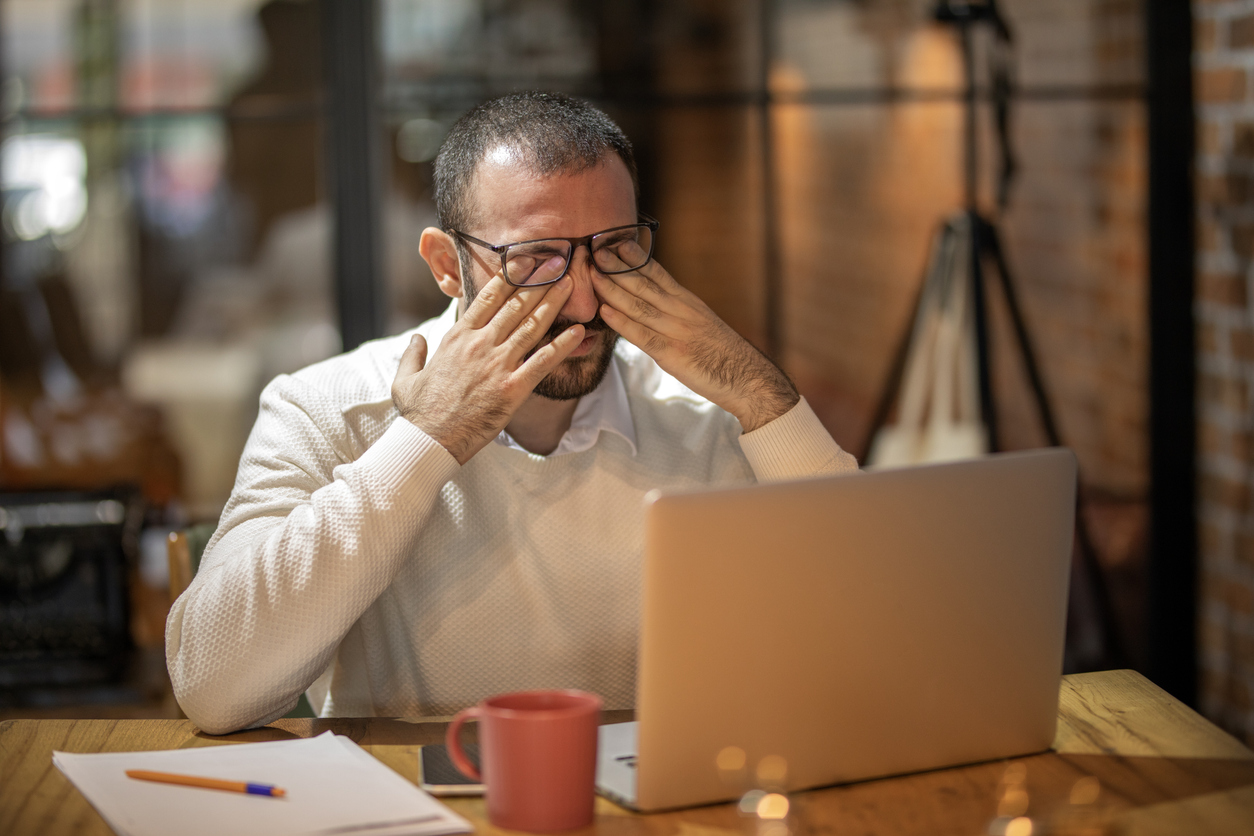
(656, 286)
(525, 299)
(611, 258)
(660, 276)
(533, 328)
(622, 299)
(649, 341)
(630, 252)
(487, 302)
(414, 358)
(625, 252)
(548, 357)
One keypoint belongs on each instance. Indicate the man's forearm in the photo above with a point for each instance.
(762, 392)
(794, 446)
(290, 577)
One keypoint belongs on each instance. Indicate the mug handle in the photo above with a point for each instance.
(452, 742)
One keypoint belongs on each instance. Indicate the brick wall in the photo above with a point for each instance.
(860, 188)
(1223, 60)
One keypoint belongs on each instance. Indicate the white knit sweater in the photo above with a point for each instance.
(356, 560)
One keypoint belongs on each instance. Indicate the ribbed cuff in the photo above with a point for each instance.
(405, 456)
(793, 446)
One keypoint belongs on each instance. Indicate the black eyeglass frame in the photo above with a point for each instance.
(575, 243)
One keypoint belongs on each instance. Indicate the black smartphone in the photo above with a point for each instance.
(438, 776)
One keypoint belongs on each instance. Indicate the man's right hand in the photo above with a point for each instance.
(481, 374)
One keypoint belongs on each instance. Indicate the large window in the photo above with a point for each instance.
(801, 154)
(164, 212)
(169, 223)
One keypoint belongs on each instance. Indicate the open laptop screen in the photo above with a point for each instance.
(856, 626)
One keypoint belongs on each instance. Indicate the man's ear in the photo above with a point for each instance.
(439, 250)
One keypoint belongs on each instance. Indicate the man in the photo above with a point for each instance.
(439, 516)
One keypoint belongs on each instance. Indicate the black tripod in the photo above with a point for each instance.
(986, 247)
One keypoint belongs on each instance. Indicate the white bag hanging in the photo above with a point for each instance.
(939, 415)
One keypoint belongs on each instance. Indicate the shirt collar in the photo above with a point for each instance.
(604, 408)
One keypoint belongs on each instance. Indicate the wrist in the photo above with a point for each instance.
(441, 432)
(757, 412)
(765, 396)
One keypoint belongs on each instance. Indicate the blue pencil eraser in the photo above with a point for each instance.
(260, 789)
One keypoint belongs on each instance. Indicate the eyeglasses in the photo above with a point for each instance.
(619, 249)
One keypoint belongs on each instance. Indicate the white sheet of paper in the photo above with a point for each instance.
(334, 788)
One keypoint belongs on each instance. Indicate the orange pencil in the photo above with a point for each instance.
(206, 783)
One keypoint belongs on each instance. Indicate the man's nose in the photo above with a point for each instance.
(583, 302)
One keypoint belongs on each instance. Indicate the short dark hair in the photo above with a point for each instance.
(552, 133)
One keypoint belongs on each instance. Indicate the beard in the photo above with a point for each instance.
(575, 377)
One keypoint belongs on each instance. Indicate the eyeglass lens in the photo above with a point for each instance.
(615, 251)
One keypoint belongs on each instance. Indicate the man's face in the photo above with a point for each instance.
(512, 204)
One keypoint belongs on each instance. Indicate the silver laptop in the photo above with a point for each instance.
(855, 626)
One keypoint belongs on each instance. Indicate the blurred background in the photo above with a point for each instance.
(201, 194)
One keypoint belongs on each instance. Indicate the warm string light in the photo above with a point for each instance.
(1081, 816)
(1086, 791)
(730, 762)
(1014, 791)
(1012, 804)
(765, 806)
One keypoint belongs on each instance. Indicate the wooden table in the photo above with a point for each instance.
(1163, 769)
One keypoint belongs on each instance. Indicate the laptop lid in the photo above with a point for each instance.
(857, 626)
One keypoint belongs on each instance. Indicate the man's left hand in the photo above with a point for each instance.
(679, 331)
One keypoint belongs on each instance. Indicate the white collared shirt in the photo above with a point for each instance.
(399, 582)
(604, 408)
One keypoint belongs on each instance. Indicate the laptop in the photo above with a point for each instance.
(855, 626)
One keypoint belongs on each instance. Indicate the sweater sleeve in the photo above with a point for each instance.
(308, 541)
(793, 446)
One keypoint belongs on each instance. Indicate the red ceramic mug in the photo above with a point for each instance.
(539, 756)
